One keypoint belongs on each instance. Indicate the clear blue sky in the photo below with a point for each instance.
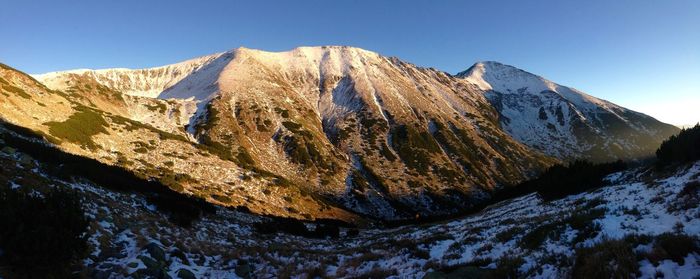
(641, 54)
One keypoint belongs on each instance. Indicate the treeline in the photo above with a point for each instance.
(681, 148)
(181, 209)
(560, 181)
(41, 236)
(556, 182)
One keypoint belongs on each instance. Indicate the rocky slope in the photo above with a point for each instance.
(562, 121)
(93, 121)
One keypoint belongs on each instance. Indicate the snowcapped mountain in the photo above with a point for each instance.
(184, 171)
(371, 134)
(374, 134)
(557, 120)
(562, 121)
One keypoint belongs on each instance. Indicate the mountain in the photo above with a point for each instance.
(564, 122)
(376, 135)
(325, 132)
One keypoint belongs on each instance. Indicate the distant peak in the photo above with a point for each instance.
(488, 66)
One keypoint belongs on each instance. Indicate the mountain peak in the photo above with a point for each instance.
(493, 75)
(535, 110)
(306, 50)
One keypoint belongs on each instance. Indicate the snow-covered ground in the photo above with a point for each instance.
(129, 236)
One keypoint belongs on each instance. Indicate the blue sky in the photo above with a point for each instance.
(644, 55)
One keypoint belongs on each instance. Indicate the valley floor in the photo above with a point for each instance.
(129, 237)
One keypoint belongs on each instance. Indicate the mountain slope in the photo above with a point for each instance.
(377, 135)
(144, 82)
(564, 122)
(93, 121)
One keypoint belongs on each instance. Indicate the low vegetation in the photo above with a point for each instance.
(414, 147)
(674, 247)
(79, 127)
(15, 90)
(159, 107)
(182, 209)
(607, 259)
(581, 219)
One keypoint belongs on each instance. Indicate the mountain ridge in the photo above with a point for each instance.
(366, 133)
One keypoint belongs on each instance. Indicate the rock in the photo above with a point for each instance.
(100, 274)
(8, 150)
(185, 274)
(105, 271)
(149, 262)
(148, 273)
(461, 272)
(243, 269)
(435, 275)
(155, 251)
(26, 160)
(177, 253)
(153, 268)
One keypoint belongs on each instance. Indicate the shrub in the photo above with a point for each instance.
(302, 152)
(291, 126)
(42, 237)
(221, 198)
(16, 90)
(414, 147)
(79, 127)
(160, 107)
(674, 247)
(583, 222)
(378, 272)
(534, 238)
(607, 259)
(507, 235)
(508, 267)
(688, 197)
